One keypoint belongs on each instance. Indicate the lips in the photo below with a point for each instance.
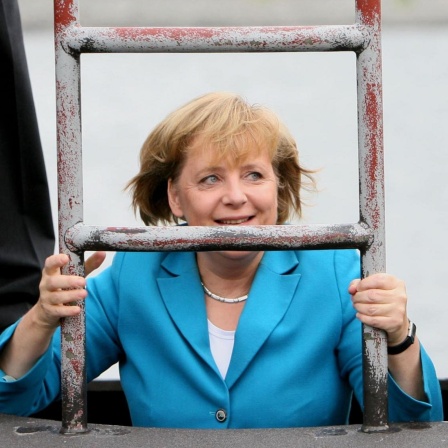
(233, 222)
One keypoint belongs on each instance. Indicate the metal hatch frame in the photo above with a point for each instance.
(368, 235)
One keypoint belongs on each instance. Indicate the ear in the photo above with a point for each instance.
(173, 199)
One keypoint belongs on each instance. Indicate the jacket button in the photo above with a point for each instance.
(221, 415)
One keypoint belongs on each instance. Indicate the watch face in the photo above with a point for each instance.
(412, 331)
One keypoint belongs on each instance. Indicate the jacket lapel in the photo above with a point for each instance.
(183, 296)
(269, 299)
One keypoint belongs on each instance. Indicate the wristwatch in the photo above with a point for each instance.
(400, 348)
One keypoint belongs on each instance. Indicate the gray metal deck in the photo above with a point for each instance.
(26, 432)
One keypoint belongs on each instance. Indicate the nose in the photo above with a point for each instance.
(234, 193)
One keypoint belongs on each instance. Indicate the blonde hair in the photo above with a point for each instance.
(230, 126)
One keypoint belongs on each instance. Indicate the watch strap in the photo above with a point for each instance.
(400, 348)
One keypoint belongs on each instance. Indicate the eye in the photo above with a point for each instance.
(254, 175)
(210, 180)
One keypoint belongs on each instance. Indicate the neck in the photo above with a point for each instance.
(227, 275)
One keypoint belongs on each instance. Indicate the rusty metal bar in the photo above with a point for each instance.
(216, 39)
(182, 238)
(364, 38)
(372, 208)
(70, 198)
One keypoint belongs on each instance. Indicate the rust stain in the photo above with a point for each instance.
(370, 11)
(64, 13)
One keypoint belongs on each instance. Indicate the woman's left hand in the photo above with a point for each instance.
(380, 301)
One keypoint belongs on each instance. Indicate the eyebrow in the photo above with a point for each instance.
(217, 168)
(253, 165)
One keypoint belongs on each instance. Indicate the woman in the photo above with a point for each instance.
(225, 339)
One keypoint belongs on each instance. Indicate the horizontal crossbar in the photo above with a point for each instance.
(184, 238)
(215, 39)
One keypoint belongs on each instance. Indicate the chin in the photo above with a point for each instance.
(238, 255)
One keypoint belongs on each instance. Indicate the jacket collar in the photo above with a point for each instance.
(272, 291)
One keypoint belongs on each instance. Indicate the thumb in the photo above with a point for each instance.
(94, 262)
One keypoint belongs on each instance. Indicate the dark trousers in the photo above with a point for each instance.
(26, 228)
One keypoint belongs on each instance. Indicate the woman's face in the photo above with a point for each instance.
(210, 193)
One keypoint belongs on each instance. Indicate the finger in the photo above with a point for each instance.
(353, 287)
(51, 315)
(65, 297)
(54, 263)
(392, 325)
(94, 262)
(373, 296)
(56, 305)
(388, 316)
(395, 297)
(379, 281)
(58, 282)
(385, 310)
(380, 322)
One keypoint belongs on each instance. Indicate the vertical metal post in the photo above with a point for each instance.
(70, 198)
(372, 208)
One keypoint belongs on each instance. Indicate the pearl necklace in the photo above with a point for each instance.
(224, 299)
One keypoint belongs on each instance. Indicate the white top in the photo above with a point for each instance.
(221, 346)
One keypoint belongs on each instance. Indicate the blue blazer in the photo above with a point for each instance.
(296, 360)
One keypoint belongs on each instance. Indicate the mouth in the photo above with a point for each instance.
(233, 222)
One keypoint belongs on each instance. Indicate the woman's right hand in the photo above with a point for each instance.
(33, 334)
(58, 292)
